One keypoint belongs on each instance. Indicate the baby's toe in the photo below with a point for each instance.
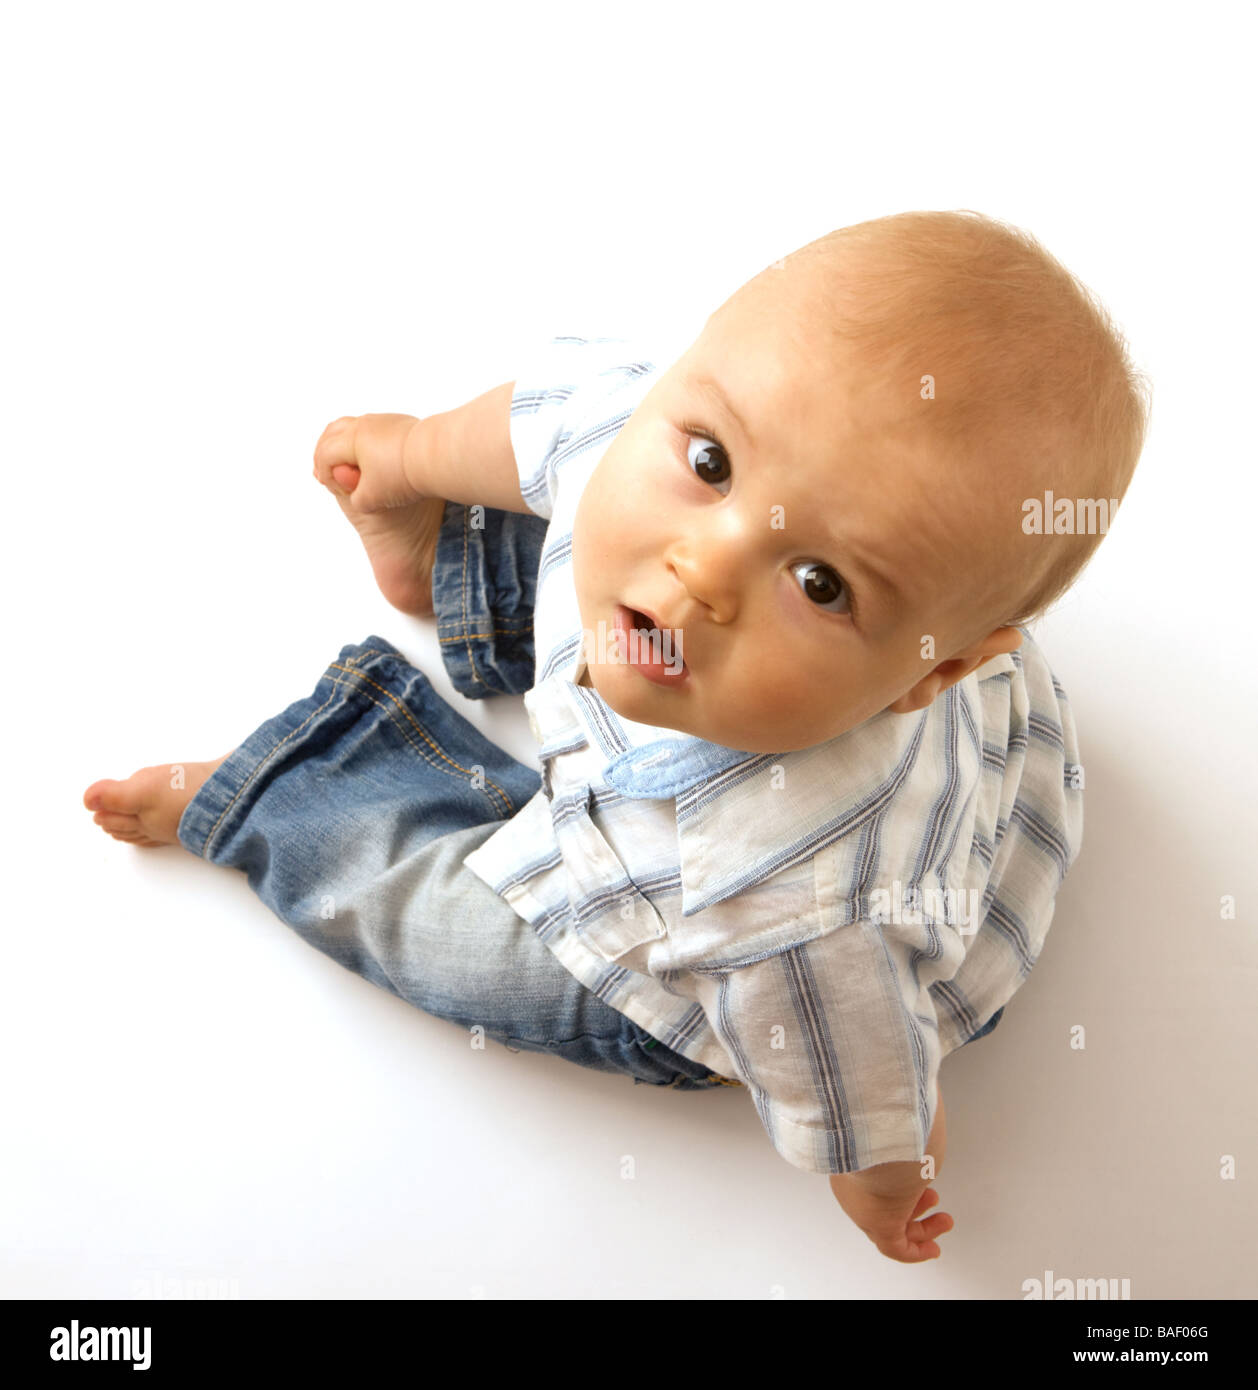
(131, 797)
(108, 795)
(117, 822)
(94, 796)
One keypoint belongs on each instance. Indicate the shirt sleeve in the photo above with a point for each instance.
(836, 1089)
(1037, 835)
(559, 399)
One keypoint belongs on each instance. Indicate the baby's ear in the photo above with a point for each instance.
(1003, 639)
(923, 693)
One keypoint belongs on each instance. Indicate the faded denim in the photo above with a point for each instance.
(352, 810)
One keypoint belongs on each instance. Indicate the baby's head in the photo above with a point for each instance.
(825, 502)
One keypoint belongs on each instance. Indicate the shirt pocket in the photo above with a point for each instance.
(610, 913)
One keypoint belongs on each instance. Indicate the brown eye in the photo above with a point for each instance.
(708, 460)
(822, 586)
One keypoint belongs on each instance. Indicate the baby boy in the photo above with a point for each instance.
(808, 788)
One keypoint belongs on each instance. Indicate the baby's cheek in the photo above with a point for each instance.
(594, 530)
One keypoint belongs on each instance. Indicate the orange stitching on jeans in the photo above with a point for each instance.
(381, 705)
(261, 764)
(466, 636)
(418, 727)
(471, 656)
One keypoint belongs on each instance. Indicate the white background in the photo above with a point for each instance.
(226, 226)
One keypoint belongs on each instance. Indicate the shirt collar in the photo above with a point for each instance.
(643, 760)
(887, 770)
(668, 766)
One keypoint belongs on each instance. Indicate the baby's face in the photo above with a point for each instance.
(783, 515)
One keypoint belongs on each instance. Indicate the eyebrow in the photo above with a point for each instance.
(874, 578)
(716, 392)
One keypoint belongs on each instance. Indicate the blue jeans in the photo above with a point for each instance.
(352, 810)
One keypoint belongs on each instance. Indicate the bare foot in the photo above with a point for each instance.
(145, 809)
(400, 543)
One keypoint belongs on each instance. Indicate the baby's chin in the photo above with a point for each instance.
(637, 700)
(663, 713)
(647, 705)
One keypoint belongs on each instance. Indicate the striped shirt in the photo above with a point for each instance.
(824, 925)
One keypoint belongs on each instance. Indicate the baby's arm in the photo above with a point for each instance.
(463, 455)
(887, 1201)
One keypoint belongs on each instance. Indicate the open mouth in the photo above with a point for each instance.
(652, 651)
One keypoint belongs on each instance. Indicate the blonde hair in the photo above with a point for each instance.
(1029, 367)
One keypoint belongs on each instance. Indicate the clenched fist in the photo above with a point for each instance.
(364, 456)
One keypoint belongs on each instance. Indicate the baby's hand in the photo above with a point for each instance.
(364, 456)
(891, 1221)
